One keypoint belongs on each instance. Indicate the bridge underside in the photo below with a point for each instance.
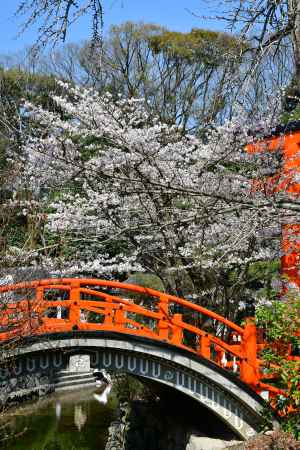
(214, 388)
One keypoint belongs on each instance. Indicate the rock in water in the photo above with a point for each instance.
(205, 443)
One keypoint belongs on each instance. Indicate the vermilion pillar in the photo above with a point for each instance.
(287, 141)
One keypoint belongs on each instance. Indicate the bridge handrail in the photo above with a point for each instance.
(26, 316)
(66, 282)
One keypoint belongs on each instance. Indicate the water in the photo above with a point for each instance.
(80, 420)
(61, 422)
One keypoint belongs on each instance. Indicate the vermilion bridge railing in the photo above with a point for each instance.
(68, 305)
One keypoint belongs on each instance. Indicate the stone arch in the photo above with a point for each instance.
(214, 388)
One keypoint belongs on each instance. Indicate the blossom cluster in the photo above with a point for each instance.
(124, 192)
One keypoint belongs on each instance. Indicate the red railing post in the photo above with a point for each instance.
(37, 305)
(249, 364)
(39, 295)
(119, 317)
(177, 330)
(108, 316)
(163, 325)
(204, 346)
(74, 312)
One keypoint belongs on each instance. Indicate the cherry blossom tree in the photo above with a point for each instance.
(124, 193)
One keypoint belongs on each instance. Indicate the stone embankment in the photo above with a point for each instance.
(117, 430)
(25, 387)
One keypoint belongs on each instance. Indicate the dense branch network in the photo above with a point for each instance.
(120, 192)
(55, 17)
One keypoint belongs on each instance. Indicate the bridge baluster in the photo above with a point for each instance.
(39, 305)
(163, 325)
(177, 329)
(108, 316)
(74, 314)
(204, 346)
(120, 317)
(39, 295)
(248, 367)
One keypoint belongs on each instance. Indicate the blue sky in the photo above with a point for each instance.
(175, 14)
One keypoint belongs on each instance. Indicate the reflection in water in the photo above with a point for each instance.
(73, 421)
(80, 417)
(58, 409)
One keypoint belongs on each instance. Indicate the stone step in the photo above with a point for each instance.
(67, 373)
(74, 376)
(72, 387)
(71, 382)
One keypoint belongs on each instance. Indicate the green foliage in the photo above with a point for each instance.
(292, 116)
(280, 319)
(291, 104)
(261, 273)
(18, 85)
(19, 230)
(128, 388)
(147, 280)
(137, 31)
(205, 45)
(281, 322)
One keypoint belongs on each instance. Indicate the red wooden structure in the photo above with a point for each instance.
(48, 307)
(287, 142)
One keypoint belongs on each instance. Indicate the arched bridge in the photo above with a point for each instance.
(137, 330)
